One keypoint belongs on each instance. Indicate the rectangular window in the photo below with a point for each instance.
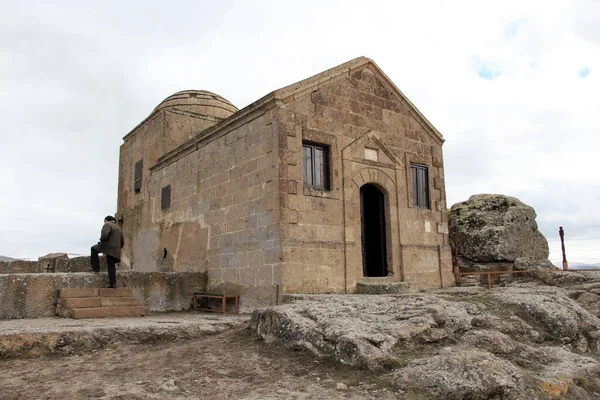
(165, 197)
(315, 166)
(420, 185)
(137, 179)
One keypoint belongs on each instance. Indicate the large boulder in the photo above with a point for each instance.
(495, 227)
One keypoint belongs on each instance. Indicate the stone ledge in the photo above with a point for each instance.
(45, 336)
(36, 295)
(384, 287)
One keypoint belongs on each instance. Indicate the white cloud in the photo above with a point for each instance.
(74, 79)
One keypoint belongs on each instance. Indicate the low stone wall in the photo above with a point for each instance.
(34, 295)
(18, 267)
(79, 264)
(61, 264)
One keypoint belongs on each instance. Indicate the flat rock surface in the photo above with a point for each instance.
(46, 325)
(36, 337)
(522, 341)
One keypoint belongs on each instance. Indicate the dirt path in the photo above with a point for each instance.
(230, 365)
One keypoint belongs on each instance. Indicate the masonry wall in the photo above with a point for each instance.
(160, 133)
(223, 214)
(35, 295)
(144, 143)
(321, 230)
(18, 267)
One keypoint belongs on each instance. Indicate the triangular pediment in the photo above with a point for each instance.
(298, 89)
(370, 149)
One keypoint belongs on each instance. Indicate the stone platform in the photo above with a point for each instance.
(36, 295)
(375, 287)
(45, 336)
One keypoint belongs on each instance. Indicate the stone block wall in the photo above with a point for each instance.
(143, 143)
(61, 264)
(18, 267)
(238, 208)
(223, 215)
(321, 230)
(35, 295)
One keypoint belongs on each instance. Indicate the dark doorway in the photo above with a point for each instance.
(372, 212)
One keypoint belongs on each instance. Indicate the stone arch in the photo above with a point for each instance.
(376, 176)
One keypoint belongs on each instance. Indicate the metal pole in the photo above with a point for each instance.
(561, 233)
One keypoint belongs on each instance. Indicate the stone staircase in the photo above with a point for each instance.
(470, 280)
(98, 303)
(383, 286)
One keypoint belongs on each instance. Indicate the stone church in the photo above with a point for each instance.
(331, 181)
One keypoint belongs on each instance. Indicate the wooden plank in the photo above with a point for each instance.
(78, 292)
(80, 302)
(118, 292)
(119, 301)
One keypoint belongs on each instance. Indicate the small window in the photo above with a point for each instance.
(315, 168)
(165, 197)
(137, 180)
(420, 185)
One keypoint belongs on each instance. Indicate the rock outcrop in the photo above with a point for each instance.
(525, 340)
(497, 232)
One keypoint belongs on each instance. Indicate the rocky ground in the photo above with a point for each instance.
(232, 364)
(524, 341)
(535, 339)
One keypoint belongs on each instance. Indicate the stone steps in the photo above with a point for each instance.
(98, 303)
(470, 280)
(385, 287)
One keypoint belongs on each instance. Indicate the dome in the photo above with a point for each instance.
(199, 102)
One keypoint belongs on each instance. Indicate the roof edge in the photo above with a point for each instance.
(282, 95)
(158, 108)
(414, 108)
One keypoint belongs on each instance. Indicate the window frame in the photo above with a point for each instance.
(138, 172)
(310, 181)
(165, 197)
(421, 196)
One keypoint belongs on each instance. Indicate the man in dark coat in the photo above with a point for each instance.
(110, 244)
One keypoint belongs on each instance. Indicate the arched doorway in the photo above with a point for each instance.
(373, 228)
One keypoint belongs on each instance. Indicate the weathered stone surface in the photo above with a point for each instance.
(51, 261)
(60, 262)
(453, 343)
(531, 264)
(494, 227)
(18, 267)
(591, 302)
(107, 312)
(558, 317)
(83, 264)
(43, 336)
(35, 295)
(584, 286)
(383, 287)
(464, 374)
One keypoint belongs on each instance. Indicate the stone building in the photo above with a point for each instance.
(317, 186)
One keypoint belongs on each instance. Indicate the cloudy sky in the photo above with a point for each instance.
(514, 87)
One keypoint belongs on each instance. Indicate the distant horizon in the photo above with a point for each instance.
(556, 262)
(510, 85)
